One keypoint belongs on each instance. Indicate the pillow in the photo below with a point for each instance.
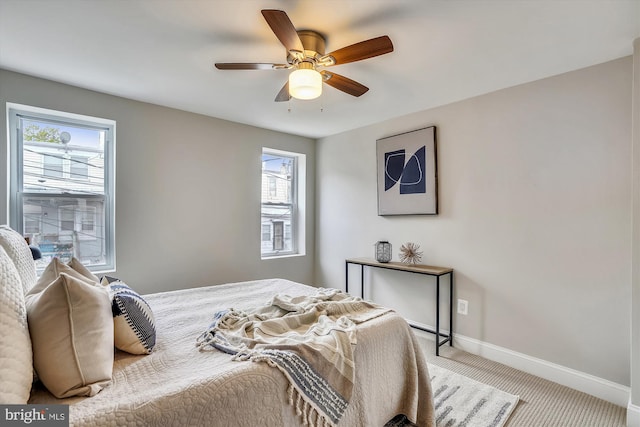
(72, 336)
(133, 321)
(76, 265)
(16, 369)
(18, 250)
(55, 268)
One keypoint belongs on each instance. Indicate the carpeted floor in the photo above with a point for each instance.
(542, 402)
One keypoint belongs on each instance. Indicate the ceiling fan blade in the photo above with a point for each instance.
(246, 66)
(283, 29)
(283, 95)
(363, 50)
(343, 83)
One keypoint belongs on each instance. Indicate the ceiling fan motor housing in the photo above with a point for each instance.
(314, 45)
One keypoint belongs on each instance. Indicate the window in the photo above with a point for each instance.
(282, 218)
(52, 166)
(89, 220)
(32, 220)
(278, 236)
(67, 218)
(78, 168)
(273, 186)
(62, 181)
(266, 232)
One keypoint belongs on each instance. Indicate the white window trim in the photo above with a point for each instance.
(15, 179)
(298, 205)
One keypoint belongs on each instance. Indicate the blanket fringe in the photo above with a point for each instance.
(310, 416)
(243, 355)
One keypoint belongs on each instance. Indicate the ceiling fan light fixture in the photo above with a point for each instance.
(305, 83)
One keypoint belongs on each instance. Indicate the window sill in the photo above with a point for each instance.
(279, 256)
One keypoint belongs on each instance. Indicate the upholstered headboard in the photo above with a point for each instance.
(16, 247)
(17, 276)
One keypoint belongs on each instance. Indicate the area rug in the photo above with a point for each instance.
(461, 401)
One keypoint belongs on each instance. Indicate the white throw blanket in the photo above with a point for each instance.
(309, 338)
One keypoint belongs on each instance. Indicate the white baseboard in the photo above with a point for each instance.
(633, 415)
(604, 389)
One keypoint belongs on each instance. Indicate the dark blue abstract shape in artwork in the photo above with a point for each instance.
(393, 167)
(410, 175)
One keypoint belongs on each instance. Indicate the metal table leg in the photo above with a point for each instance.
(437, 315)
(451, 309)
(346, 277)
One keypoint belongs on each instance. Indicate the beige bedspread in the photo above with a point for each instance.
(177, 385)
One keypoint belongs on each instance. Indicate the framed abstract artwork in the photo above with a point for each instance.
(408, 173)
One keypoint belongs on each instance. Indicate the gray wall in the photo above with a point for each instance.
(535, 207)
(187, 188)
(535, 217)
(634, 417)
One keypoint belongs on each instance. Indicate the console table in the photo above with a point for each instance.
(427, 270)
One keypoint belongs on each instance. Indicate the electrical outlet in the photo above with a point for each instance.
(463, 306)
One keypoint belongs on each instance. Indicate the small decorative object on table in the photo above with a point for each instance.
(383, 251)
(409, 253)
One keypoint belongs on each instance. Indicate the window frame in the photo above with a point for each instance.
(297, 206)
(17, 112)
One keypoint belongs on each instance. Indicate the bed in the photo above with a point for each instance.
(178, 384)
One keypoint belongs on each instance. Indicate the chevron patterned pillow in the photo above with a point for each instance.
(133, 321)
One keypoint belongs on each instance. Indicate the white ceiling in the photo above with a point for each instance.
(163, 52)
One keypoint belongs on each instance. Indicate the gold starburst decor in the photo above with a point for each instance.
(410, 253)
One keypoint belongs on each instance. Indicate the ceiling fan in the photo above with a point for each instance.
(307, 59)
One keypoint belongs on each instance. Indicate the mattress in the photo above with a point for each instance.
(178, 385)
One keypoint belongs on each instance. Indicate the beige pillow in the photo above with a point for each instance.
(77, 266)
(53, 271)
(16, 368)
(71, 328)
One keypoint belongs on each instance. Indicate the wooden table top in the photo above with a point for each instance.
(393, 265)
